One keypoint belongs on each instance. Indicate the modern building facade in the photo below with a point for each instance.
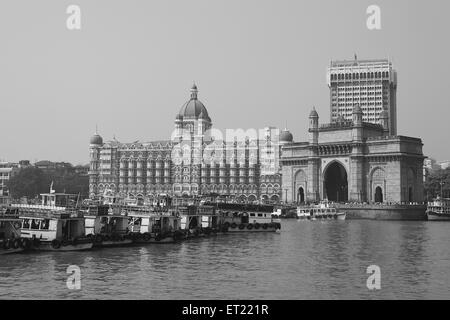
(194, 161)
(353, 161)
(7, 170)
(371, 84)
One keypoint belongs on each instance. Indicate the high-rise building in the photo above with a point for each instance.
(372, 84)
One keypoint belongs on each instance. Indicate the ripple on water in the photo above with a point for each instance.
(308, 260)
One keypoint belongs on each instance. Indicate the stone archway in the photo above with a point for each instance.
(335, 182)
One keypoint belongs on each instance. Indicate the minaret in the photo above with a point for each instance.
(95, 144)
(314, 127)
(314, 160)
(384, 121)
(357, 123)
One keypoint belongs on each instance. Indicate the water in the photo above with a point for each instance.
(308, 260)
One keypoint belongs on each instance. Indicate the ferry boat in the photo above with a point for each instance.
(323, 211)
(439, 209)
(56, 223)
(200, 220)
(150, 225)
(10, 238)
(139, 222)
(249, 218)
(107, 226)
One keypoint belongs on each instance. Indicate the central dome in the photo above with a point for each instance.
(194, 108)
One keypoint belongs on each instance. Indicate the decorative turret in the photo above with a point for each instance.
(357, 123)
(384, 121)
(313, 127)
(95, 143)
(194, 91)
(357, 115)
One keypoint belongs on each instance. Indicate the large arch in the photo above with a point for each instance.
(335, 182)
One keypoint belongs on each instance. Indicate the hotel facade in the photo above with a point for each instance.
(192, 162)
(370, 84)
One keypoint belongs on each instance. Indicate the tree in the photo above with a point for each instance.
(433, 184)
(28, 182)
(32, 181)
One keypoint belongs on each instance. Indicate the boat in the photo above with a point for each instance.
(251, 221)
(438, 209)
(200, 220)
(322, 211)
(148, 225)
(249, 217)
(54, 225)
(10, 238)
(107, 226)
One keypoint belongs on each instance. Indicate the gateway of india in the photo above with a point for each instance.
(357, 157)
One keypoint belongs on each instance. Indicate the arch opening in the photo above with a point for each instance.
(378, 195)
(301, 195)
(335, 183)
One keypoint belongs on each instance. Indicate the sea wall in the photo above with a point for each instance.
(384, 212)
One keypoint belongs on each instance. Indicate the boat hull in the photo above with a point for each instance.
(47, 246)
(111, 243)
(154, 241)
(253, 228)
(9, 251)
(433, 216)
(338, 216)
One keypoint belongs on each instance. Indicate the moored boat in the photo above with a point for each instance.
(54, 225)
(200, 221)
(251, 221)
(439, 209)
(323, 211)
(10, 238)
(148, 225)
(107, 226)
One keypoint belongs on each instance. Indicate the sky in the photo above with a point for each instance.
(256, 63)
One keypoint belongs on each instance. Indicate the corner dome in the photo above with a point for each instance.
(313, 113)
(286, 136)
(194, 108)
(96, 139)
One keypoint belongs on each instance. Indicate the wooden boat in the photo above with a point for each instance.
(10, 238)
(107, 226)
(148, 225)
(56, 223)
(323, 211)
(438, 210)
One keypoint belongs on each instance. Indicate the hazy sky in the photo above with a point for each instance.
(256, 63)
